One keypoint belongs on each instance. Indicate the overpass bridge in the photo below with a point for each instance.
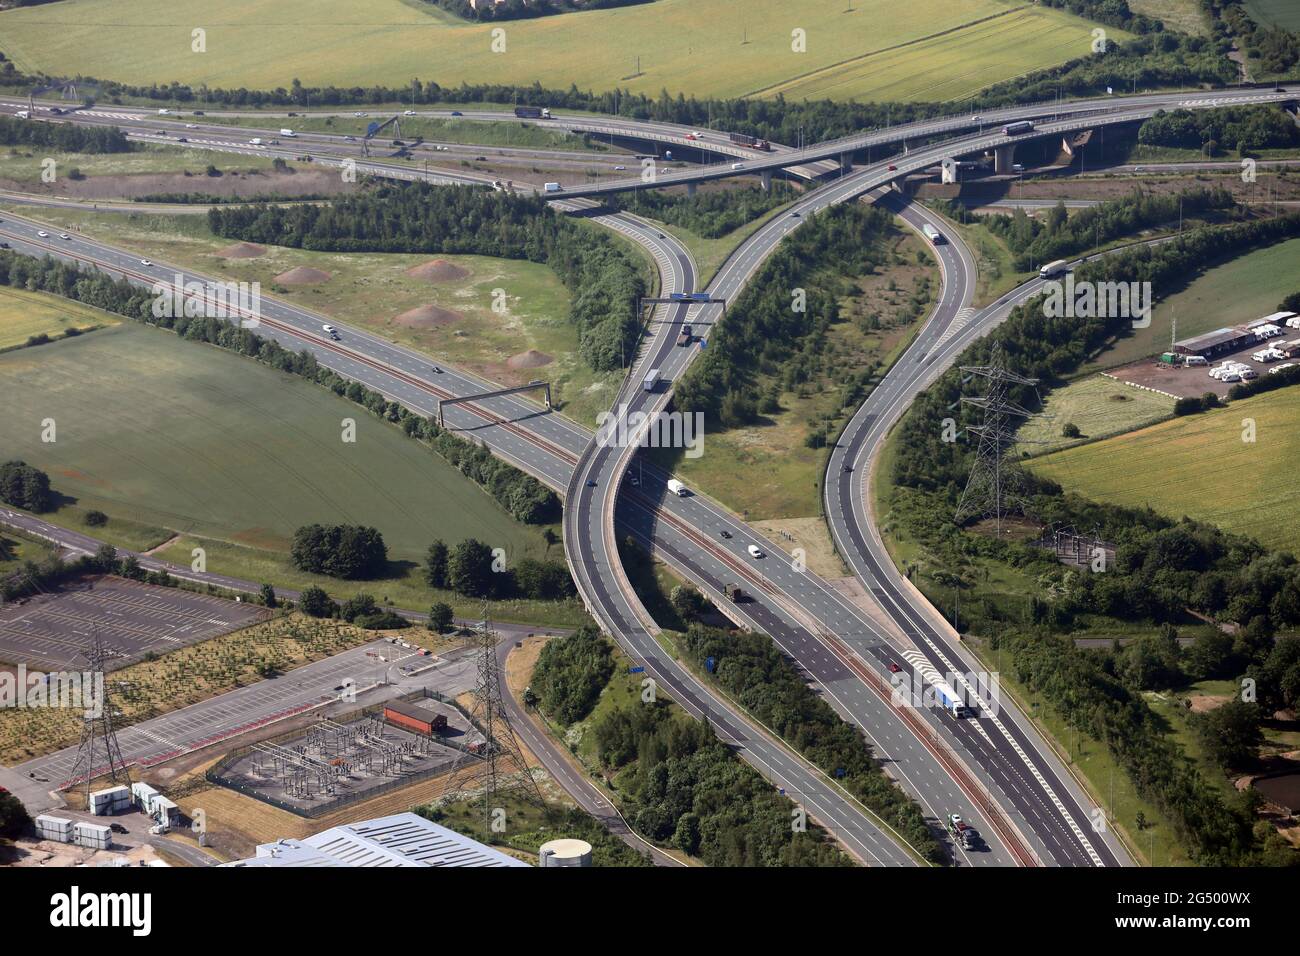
(1080, 114)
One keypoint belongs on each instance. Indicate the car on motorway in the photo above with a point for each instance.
(163, 112)
(457, 113)
(894, 668)
(691, 136)
(359, 113)
(619, 169)
(725, 534)
(634, 479)
(893, 168)
(64, 235)
(437, 370)
(330, 331)
(408, 112)
(5, 245)
(197, 113)
(795, 214)
(737, 165)
(146, 262)
(591, 483)
(755, 551)
(43, 234)
(181, 139)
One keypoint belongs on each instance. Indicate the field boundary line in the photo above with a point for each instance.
(776, 87)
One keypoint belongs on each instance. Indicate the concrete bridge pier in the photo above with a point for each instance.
(691, 187)
(766, 177)
(846, 163)
(1004, 157)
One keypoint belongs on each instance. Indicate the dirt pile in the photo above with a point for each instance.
(428, 317)
(530, 359)
(301, 275)
(242, 250)
(438, 270)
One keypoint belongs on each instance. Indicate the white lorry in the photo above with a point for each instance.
(553, 188)
(288, 132)
(677, 488)
(931, 233)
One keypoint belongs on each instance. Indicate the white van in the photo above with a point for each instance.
(255, 141)
(288, 132)
(1195, 360)
(330, 331)
(754, 551)
(553, 187)
(737, 165)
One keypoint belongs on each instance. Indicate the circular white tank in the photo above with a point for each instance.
(565, 852)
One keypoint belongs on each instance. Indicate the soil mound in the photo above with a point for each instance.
(438, 270)
(301, 275)
(530, 359)
(242, 250)
(428, 317)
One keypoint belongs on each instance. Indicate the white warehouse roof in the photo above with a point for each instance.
(403, 839)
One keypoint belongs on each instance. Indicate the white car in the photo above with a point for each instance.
(43, 234)
(330, 331)
(619, 169)
(64, 235)
(358, 113)
(755, 552)
(191, 125)
(737, 165)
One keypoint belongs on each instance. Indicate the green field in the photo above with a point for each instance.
(1200, 466)
(1242, 289)
(23, 164)
(1100, 406)
(172, 437)
(24, 314)
(872, 49)
(1183, 15)
(1278, 13)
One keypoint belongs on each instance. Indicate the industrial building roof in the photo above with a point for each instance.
(409, 710)
(1210, 339)
(403, 839)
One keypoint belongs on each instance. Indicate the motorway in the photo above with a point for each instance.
(808, 602)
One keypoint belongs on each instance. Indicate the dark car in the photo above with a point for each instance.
(198, 112)
(437, 370)
(725, 533)
(591, 483)
(117, 828)
(894, 668)
(457, 113)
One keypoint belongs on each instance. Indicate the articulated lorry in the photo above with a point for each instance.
(532, 112)
(685, 337)
(753, 142)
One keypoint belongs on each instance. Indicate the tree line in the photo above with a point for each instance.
(525, 9)
(680, 785)
(1059, 235)
(707, 214)
(752, 671)
(603, 280)
(472, 569)
(62, 137)
(1243, 128)
(524, 497)
(784, 312)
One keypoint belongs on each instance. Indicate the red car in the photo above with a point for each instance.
(894, 668)
(893, 168)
